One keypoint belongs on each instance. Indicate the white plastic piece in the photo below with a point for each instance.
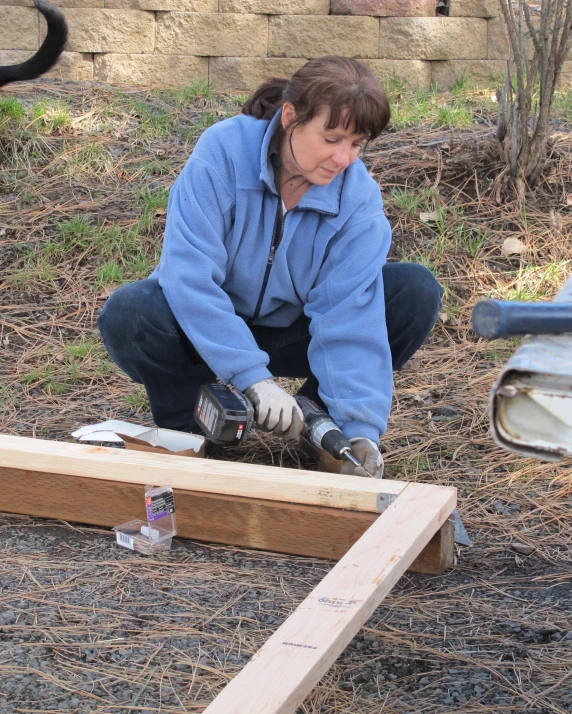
(165, 439)
(107, 431)
(155, 534)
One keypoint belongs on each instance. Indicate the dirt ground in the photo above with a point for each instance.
(88, 627)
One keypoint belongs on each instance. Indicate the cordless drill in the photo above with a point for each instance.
(226, 416)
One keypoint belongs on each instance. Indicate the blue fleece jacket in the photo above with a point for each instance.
(220, 220)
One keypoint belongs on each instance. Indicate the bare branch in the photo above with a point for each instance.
(565, 38)
(534, 32)
(514, 139)
(502, 128)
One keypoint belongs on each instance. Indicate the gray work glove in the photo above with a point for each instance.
(275, 410)
(367, 453)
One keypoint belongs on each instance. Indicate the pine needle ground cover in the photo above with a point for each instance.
(85, 172)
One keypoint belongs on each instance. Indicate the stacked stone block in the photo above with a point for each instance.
(235, 44)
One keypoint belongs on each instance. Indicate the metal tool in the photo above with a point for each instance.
(531, 401)
(226, 417)
(461, 536)
(323, 432)
(502, 318)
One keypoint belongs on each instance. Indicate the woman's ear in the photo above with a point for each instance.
(288, 116)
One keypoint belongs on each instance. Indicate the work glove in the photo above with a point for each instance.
(275, 410)
(367, 453)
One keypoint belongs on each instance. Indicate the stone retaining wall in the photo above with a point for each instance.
(237, 43)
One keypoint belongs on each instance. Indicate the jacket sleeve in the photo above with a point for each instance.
(193, 269)
(349, 350)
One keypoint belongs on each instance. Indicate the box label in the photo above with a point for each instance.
(124, 540)
(160, 505)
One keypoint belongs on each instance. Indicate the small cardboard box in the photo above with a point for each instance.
(141, 438)
(166, 441)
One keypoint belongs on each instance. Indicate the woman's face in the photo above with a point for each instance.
(318, 154)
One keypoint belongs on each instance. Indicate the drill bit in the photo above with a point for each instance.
(350, 457)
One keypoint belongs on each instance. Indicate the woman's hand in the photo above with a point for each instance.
(275, 410)
(367, 453)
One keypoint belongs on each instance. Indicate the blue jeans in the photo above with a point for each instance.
(144, 339)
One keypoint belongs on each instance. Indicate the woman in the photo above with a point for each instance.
(273, 264)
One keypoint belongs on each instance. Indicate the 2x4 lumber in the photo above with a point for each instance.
(284, 671)
(198, 475)
(296, 529)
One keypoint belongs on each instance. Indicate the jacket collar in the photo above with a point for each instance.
(325, 199)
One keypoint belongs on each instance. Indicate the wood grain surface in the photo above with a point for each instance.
(297, 529)
(284, 671)
(194, 474)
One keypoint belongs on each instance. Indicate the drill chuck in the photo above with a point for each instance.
(321, 430)
(330, 438)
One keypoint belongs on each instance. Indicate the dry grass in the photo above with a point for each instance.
(82, 210)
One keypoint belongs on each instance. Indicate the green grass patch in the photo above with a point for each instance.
(412, 105)
(154, 204)
(139, 268)
(26, 199)
(184, 96)
(37, 376)
(90, 158)
(153, 199)
(93, 158)
(74, 233)
(562, 104)
(156, 166)
(11, 110)
(452, 115)
(238, 99)
(85, 359)
(110, 274)
(25, 149)
(534, 282)
(154, 121)
(33, 269)
(137, 401)
(51, 116)
(405, 201)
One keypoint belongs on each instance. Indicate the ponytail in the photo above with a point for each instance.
(267, 99)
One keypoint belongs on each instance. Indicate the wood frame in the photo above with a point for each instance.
(263, 507)
(260, 507)
(292, 661)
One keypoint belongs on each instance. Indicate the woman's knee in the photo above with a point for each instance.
(131, 311)
(425, 287)
(414, 288)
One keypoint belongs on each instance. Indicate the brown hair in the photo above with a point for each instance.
(346, 88)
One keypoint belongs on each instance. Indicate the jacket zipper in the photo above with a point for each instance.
(276, 238)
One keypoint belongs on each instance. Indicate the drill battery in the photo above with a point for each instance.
(224, 414)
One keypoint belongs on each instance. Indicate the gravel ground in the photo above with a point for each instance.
(87, 626)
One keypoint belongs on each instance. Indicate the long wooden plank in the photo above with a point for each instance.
(284, 671)
(297, 529)
(199, 475)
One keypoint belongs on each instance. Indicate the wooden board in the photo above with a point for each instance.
(283, 672)
(297, 529)
(192, 474)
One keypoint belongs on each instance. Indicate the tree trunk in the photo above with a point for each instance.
(525, 149)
